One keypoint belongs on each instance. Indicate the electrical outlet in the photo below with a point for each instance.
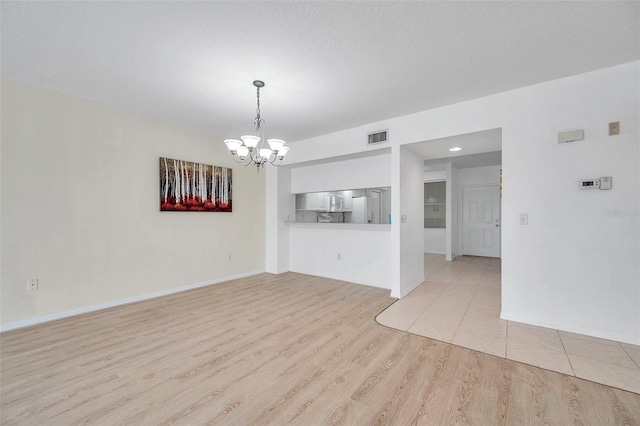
(229, 256)
(339, 256)
(32, 284)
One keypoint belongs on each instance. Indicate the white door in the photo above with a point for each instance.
(359, 210)
(481, 221)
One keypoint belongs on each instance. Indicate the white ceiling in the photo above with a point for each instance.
(470, 143)
(327, 65)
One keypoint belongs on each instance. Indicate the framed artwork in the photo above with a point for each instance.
(194, 187)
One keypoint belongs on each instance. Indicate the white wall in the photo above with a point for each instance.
(479, 176)
(435, 240)
(575, 266)
(80, 210)
(453, 227)
(279, 210)
(435, 176)
(366, 172)
(411, 232)
(365, 254)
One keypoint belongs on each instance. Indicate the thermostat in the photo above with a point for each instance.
(590, 184)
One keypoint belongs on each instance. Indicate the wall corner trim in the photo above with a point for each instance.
(409, 289)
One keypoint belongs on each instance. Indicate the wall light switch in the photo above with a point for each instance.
(524, 219)
(605, 182)
(614, 128)
(403, 218)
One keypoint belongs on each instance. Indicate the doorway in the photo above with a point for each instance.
(481, 221)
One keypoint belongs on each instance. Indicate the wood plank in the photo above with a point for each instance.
(276, 349)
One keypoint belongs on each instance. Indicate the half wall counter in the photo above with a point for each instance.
(359, 253)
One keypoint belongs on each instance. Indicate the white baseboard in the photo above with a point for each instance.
(74, 312)
(407, 290)
(369, 284)
(572, 329)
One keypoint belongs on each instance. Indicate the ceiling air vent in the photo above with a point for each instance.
(377, 137)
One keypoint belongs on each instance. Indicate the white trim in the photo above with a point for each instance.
(408, 290)
(571, 329)
(339, 278)
(74, 312)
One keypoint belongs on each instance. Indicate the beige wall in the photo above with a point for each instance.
(80, 208)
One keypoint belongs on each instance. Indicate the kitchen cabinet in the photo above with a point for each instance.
(347, 196)
(315, 201)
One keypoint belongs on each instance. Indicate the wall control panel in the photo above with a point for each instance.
(590, 184)
(571, 136)
(599, 183)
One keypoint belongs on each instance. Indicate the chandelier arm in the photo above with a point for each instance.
(239, 160)
(276, 161)
(275, 158)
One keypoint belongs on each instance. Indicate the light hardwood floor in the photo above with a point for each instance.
(273, 350)
(460, 303)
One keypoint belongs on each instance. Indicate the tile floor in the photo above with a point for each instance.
(459, 303)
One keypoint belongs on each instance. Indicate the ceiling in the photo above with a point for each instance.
(327, 65)
(471, 145)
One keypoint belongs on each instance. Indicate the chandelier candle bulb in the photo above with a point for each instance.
(265, 153)
(250, 141)
(282, 152)
(233, 144)
(276, 144)
(242, 151)
(252, 150)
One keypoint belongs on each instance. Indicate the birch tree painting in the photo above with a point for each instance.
(196, 187)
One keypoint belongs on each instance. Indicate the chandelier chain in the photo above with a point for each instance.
(258, 110)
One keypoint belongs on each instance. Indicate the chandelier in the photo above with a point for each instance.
(251, 149)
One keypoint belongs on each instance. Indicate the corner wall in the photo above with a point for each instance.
(575, 266)
(80, 208)
(411, 221)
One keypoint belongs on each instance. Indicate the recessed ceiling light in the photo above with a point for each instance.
(455, 148)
